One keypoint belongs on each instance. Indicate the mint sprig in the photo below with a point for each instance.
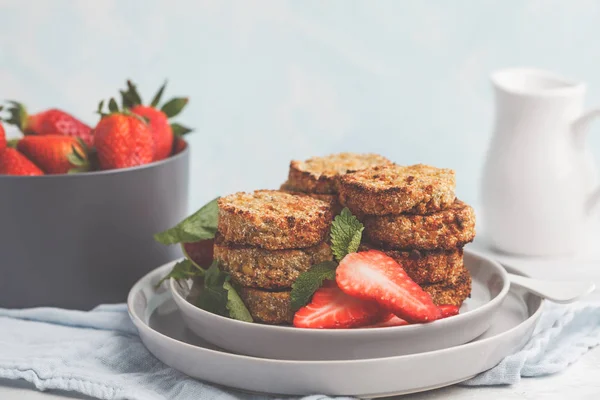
(184, 269)
(220, 297)
(236, 307)
(309, 282)
(346, 233)
(201, 225)
(217, 295)
(213, 296)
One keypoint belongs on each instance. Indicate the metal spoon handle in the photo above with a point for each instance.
(557, 291)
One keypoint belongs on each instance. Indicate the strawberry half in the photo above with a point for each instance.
(389, 320)
(372, 275)
(448, 310)
(331, 308)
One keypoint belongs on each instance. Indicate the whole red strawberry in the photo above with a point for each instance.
(55, 154)
(122, 139)
(2, 138)
(158, 119)
(14, 163)
(49, 122)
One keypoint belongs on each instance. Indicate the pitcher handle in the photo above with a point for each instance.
(580, 127)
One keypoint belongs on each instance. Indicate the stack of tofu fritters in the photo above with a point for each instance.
(318, 176)
(411, 213)
(265, 240)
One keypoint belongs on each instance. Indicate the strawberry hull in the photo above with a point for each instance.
(75, 241)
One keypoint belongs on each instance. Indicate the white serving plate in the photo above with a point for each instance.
(490, 286)
(163, 331)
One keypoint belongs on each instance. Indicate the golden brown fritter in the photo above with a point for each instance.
(319, 174)
(273, 220)
(331, 199)
(268, 269)
(394, 189)
(426, 267)
(450, 293)
(447, 229)
(271, 308)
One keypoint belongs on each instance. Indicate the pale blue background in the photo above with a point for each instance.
(274, 80)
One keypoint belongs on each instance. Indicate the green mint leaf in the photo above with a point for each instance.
(184, 269)
(236, 307)
(213, 296)
(346, 233)
(308, 282)
(199, 226)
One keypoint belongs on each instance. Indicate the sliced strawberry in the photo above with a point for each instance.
(448, 310)
(372, 275)
(200, 252)
(389, 320)
(331, 308)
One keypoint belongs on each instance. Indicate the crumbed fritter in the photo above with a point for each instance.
(331, 199)
(394, 189)
(273, 220)
(451, 293)
(426, 267)
(447, 229)
(268, 269)
(319, 174)
(271, 308)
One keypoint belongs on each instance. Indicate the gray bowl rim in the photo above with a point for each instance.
(153, 164)
(493, 304)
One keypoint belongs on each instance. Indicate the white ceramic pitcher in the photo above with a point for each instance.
(539, 184)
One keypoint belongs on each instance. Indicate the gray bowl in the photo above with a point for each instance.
(76, 241)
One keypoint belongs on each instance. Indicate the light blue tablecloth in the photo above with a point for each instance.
(99, 354)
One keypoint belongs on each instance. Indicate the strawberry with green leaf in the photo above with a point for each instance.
(158, 118)
(49, 122)
(122, 139)
(56, 154)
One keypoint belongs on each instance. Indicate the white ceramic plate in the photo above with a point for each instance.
(163, 332)
(490, 286)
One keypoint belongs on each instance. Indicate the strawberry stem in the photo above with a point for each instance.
(174, 106)
(18, 116)
(180, 130)
(158, 95)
